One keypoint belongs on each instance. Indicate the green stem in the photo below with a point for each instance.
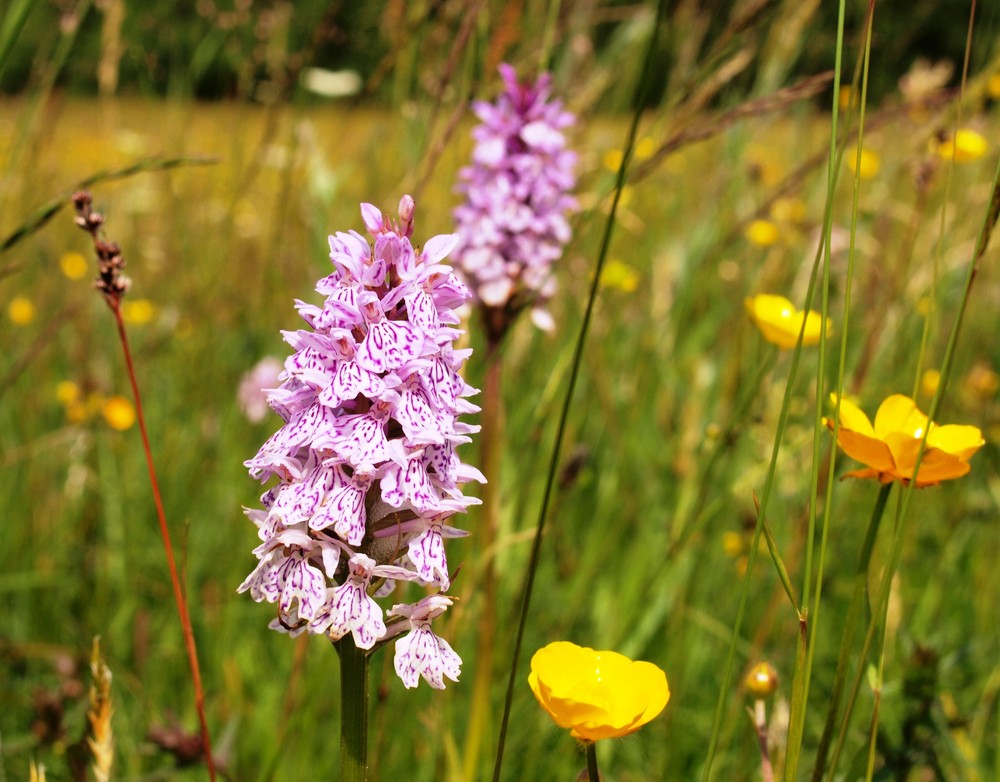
(550, 479)
(491, 438)
(353, 711)
(849, 629)
(592, 773)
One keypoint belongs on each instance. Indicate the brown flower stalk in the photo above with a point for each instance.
(113, 284)
(101, 739)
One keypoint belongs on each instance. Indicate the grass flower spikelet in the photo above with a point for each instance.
(512, 224)
(365, 461)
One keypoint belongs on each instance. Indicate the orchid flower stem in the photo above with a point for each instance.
(849, 630)
(592, 773)
(353, 711)
(179, 599)
(491, 438)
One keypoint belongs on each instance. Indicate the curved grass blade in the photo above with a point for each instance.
(41, 216)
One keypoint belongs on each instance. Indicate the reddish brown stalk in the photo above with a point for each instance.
(113, 286)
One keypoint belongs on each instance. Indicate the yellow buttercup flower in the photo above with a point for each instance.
(929, 382)
(763, 233)
(890, 447)
(966, 145)
(867, 167)
(612, 160)
(789, 210)
(780, 322)
(119, 413)
(21, 311)
(597, 695)
(138, 311)
(73, 265)
(993, 86)
(68, 392)
(618, 274)
(644, 148)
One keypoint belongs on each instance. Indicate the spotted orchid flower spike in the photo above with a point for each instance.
(366, 474)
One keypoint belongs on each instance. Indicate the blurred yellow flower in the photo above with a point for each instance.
(612, 160)
(789, 210)
(890, 447)
(929, 382)
(733, 543)
(993, 86)
(763, 233)
(867, 167)
(618, 274)
(780, 322)
(966, 145)
(981, 382)
(762, 680)
(644, 148)
(21, 311)
(73, 265)
(67, 392)
(138, 311)
(119, 413)
(597, 695)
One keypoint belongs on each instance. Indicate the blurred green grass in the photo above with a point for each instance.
(637, 557)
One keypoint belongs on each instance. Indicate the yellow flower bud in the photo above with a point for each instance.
(762, 681)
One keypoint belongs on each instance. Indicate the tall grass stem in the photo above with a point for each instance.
(849, 630)
(529, 579)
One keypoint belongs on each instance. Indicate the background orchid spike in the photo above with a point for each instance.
(780, 323)
(890, 447)
(366, 468)
(512, 224)
(597, 695)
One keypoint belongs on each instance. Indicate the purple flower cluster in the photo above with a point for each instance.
(366, 464)
(513, 222)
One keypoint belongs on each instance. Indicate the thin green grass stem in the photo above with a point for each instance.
(492, 439)
(532, 567)
(802, 674)
(849, 630)
(593, 775)
(13, 21)
(353, 711)
(548, 37)
(37, 219)
(694, 501)
(885, 585)
(939, 246)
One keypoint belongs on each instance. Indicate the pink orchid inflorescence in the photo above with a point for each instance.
(367, 471)
(513, 222)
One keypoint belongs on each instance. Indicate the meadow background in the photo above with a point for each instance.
(670, 431)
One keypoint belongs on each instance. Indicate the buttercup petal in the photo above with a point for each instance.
(960, 440)
(867, 450)
(899, 413)
(852, 417)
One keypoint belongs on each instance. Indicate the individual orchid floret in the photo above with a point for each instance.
(421, 653)
(513, 222)
(365, 478)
